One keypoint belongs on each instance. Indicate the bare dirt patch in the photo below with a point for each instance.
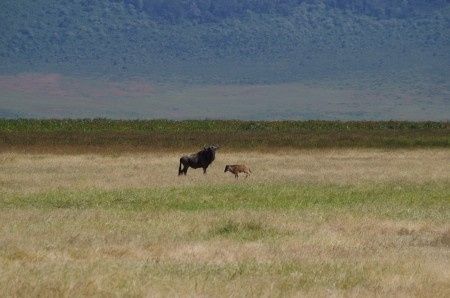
(57, 85)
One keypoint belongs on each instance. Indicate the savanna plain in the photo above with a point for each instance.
(311, 220)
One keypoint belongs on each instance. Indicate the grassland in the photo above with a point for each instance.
(72, 136)
(26, 173)
(344, 222)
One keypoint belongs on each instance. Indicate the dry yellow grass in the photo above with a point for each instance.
(97, 252)
(27, 173)
(321, 250)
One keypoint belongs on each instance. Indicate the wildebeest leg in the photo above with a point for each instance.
(182, 171)
(236, 176)
(204, 170)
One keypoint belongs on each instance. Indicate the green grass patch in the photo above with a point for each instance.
(247, 230)
(390, 200)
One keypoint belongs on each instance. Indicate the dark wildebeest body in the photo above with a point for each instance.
(201, 159)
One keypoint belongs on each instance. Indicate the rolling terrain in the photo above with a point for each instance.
(348, 60)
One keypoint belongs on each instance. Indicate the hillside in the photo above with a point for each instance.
(260, 60)
(219, 41)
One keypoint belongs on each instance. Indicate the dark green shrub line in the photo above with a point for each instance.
(109, 135)
(106, 125)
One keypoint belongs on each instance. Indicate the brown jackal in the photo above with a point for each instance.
(236, 169)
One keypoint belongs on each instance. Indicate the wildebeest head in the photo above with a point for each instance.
(212, 147)
(208, 154)
(226, 168)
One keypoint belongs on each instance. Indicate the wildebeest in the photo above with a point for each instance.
(236, 169)
(201, 159)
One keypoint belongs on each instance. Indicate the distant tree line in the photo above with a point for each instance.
(213, 10)
(261, 41)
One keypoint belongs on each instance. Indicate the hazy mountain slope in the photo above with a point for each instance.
(224, 41)
(245, 59)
